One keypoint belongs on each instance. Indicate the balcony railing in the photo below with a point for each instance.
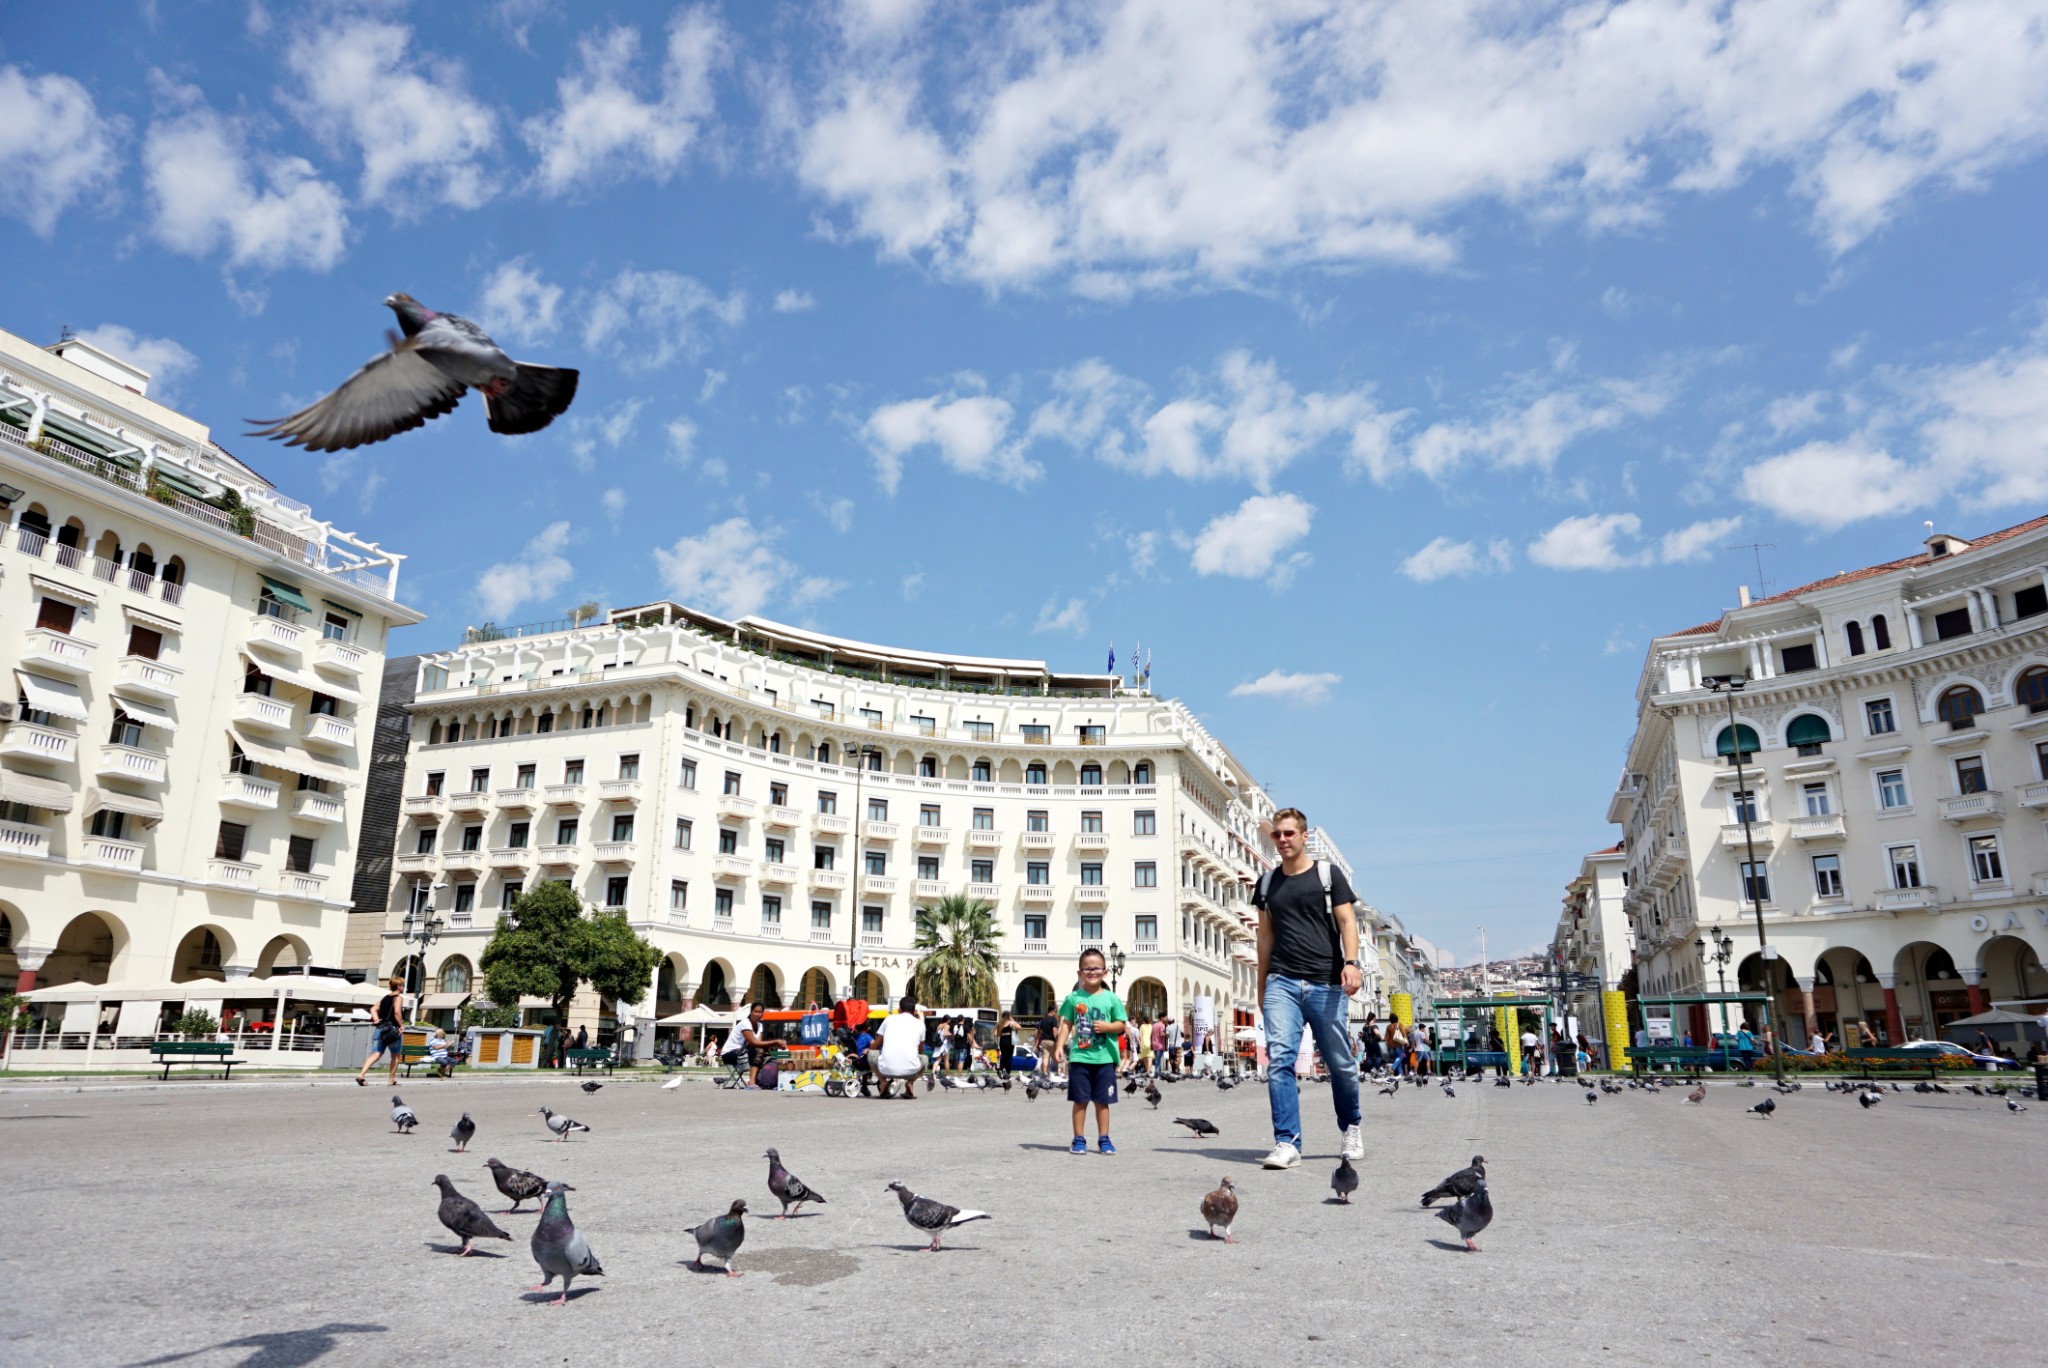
(153, 677)
(33, 741)
(878, 831)
(731, 866)
(1970, 807)
(828, 878)
(831, 823)
(260, 710)
(309, 806)
(122, 855)
(131, 762)
(882, 885)
(870, 940)
(734, 806)
(982, 838)
(778, 874)
(1145, 947)
(931, 888)
(300, 885)
(235, 874)
(1906, 899)
(771, 929)
(423, 804)
(463, 861)
(1037, 947)
(21, 841)
(324, 729)
(59, 651)
(985, 892)
(822, 934)
(509, 857)
(558, 855)
(1037, 840)
(516, 799)
(613, 852)
(1035, 893)
(2034, 795)
(470, 800)
(335, 654)
(933, 835)
(1822, 828)
(619, 790)
(1759, 835)
(274, 633)
(413, 862)
(778, 816)
(1092, 840)
(1092, 894)
(564, 795)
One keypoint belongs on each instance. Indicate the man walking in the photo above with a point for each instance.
(1308, 970)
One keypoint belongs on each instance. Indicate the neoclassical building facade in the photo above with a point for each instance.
(770, 805)
(1893, 730)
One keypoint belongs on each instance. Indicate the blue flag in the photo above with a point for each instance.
(1111, 667)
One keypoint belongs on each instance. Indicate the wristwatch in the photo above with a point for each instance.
(1353, 964)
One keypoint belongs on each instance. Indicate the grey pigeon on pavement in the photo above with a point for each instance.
(721, 1238)
(1152, 1094)
(1197, 1126)
(464, 1131)
(402, 1115)
(558, 1247)
(1470, 1215)
(1463, 1183)
(560, 1125)
(1219, 1208)
(424, 375)
(2014, 1107)
(464, 1217)
(1766, 1107)
(1344, 1181)
(934, 1218)
(788, 1188)
(592, 1086)
(1867, 1100)
(516, 1184)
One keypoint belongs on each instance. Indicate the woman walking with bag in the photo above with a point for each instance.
(387, 1041)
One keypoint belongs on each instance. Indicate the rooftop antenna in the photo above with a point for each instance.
(64, 334)
(1757, 549)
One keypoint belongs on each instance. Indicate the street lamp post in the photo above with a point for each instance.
(421, 927)
(1731, 685)
(1724, 950)
(1116, 966)
(860, 769)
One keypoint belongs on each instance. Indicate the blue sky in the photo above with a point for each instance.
(1391, 372)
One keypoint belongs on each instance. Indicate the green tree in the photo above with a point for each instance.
(962, 948)
(547, 946)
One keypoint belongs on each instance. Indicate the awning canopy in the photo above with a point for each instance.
(292, 760)
(9, 400)
(161, 624)
(701, 1016)
(148, 713)
(183, 483)
(56, 588)
(287, 593)
(134, 804)
(308, 988)
(58, 697)
(442, 1002)
(80, 433)
(32, 790)
(299, 680)
(199, 990)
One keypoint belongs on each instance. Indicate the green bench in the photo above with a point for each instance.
(1872, 1062)
(206, 1052)
(595, 1057)
(1689, 1062)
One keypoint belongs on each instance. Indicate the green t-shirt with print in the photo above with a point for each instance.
(1100, 1005)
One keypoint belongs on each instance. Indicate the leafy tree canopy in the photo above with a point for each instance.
(547, 945)
(962, 953)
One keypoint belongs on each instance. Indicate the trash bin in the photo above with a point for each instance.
(2041, 1082)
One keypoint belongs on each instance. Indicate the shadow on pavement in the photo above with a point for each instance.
(282, 1349)
(1232, 1156)
(476, 1251)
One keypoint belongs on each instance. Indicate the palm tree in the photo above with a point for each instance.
(960, 939)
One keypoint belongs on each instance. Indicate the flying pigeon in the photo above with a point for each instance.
(1219, 1208)
(789, 1189)
(1470, 1215)
(1152, 1095)
(1698, 1095)
(721, 1238)
(424, 375)
(592, 1086)
(516, 1184)
(1344, 1181)
(560, 1125)
(464, 1131)
(935, 1217)
(1197, 1126)
(402, 1115)
(558, 1247)
(1766, 1107)
(1463, 1183)
(464, 1217)
(2013, 1106)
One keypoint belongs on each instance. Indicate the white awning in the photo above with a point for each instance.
(148, 713)
(293, 761)
(203, 990)
(134, 804)
(320, 988)
(161, 624)
(442, 1002)
(32, 790)
(58, 697)
(84, 598)
(299, 680)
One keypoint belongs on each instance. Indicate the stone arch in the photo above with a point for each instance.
(202, 953)
(2011, 970)
(108, 547)
(1846, 992)
(765, 987)
(1033, 999)
(715, 991)
(1147, 998)
(36, 518)
(669, 978)
(1143, 772)
(288, 950)
(1930, 990)
(13, 931)
(174, 570)
(870, 987)
(455, 974)
(1063, 773)
(1012, 772)
(413, 971)
(815, 987)
(956, 767)
(2028, 683)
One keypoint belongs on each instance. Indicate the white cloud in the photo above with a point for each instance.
(1444, 557)
(1588, 543)
(1696, 542)
(713, 468)
(682, 441)
(1527, 430)
(967, 432)
(732, 569)
(537, 573)
(518, 305)
(615, 501)
(57, 148)
(1124, 146)
(1832, 484)
(606, 129)
(1290, 688)
(714, 380)
(838, 512)
(1144, 549)
(794, 301)
(1794, 412)
(588, 430)
(647, 319)
(421, 135)
(1248, 543)
(913, 585)
(206, 196)
(1071, 616)
(166, 361)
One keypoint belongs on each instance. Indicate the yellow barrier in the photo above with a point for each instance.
(1614, 1011)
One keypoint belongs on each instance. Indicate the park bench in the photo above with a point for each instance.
(1689, 1062)
(413, 1056)
(1912, 1063)
(596, 1057)
(206, 1052)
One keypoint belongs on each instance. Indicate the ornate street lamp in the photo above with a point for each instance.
(1116, 966)
(421, 927)
(860, 763)
(1731, 685)
(1723, 950)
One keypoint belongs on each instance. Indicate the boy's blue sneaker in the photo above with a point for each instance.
(1079, 1146)
(1104, 1146)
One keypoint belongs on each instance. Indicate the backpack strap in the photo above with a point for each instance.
(1323, 873)
(1259, 889)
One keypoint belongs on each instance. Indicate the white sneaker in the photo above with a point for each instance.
(1284, 1156)
(1354, 1144)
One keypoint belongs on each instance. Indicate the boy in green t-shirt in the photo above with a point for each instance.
(1091, 1018)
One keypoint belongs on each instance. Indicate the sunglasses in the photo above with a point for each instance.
(1286, 835)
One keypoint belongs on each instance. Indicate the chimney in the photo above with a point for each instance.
(1743, 592)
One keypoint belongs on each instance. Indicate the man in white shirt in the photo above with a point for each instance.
(899, 1047)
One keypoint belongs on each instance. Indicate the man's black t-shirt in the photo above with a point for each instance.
(1306, 945)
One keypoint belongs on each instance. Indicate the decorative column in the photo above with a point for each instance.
(689, 992)
(1806, 1010)
(31, 958)
(1973, 980)
(1894, 1022)
(1614, 1016)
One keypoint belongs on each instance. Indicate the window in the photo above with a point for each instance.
(509, 893)
(544, 724)
(981, 731)
(771, 910)
(1954, 623)
(434, 782)
(927, 866)
(629, 767)
(2030, 602)
(565, 831)
(1985, 866)
(1877, 717)
(1798, 659)
(1816, 796)
(678, 895)
(1742, 806)
(111, 824)
(1091, 929)
(772, 849)
(1091, 736)
(525, 777)
(424, 844)
(984, 819)
(1756, 882)
(878, 809)
(254, 681)
(878, 862)
(1827, 876)
(127, 731)
(721, 904)
(982, 871)
(1970, 776)
(1891, 791)
(979, 772)
(1091, 775)
(778, 795)
(1091, 821)
(1854, 632)
(516, 836)
(622, 827)
(1038, 873)
(572, 771)
(1808, 732)
(479, 780)
(472, 838)
(1037, 820)
(1147, 930)
(2041, 757)
(1959, 706)
(615, 890)
(2031, 689)
(465, 898)
(55, 615)
(828, 802)
(871, 716)
(683, 832)
(1145, 822)
(1744, 734)
(732, 784)
(1034, 927)
(334, 627)
(822, 857)
(1905, 865)
(1880, 634)
(728, 841)
(874, 759)
(145, 643)
(228, 845)
(871, 921)
(323, 705)
(928, 815)
(1145, 874)
(1091, 875)
(1034, 773)
(688, 776)
(1035, 734)
(928, 767)
(308, 784)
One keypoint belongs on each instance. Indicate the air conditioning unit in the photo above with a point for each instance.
(6, 712)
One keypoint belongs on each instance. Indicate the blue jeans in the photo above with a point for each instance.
(1288, 1005)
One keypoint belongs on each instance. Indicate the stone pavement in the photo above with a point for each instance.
(274, 1225)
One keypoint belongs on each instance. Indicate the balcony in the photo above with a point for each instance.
(870, 940)
(234, 874)
(1826, 828)
(412, 862)
(122, 855)
(330, 732)
(423, 804)
(822, 934)
(558, 856)
(613, 852)
(878, 831)
(931, 888)
(58, 651)
(130, 762)
(1732, 837)
(831, 824)
(308, 806)
(1972, 807)
(731, 867)
(880, 885)
(33, 741)
(1150, 947)
(510, 857)
(2034, 795)
(463, 861)
(1092, 840)
(779, 817)
(982, 838)
(778, 875)
(139, 674)
(1092, 895)
(1037, 840)
(988, 892)
(1037, 947)
(619, 791)
(470, 800)
(516, 799)
(277, 636)
(563, 795)
(721, 922)
(301, 886)
(21, 841)
(934, 835)
(1035, 895)
(828, 878)
(260, 710)
(335, 654)
(1906, 899)
(733, 806)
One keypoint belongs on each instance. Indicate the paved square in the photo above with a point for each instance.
(280, 1223)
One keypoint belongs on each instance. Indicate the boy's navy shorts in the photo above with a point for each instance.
(1091, 1083)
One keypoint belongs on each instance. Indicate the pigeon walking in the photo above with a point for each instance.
(1152, 1095)
(1463, 1183)
(1344, 1181)
(1698, 1095)
(2013, 1106)
(560, 1125)
(424, 375)
(517, 1184)
(1867, 1100)
(936, 1218)
(1591, 1097)
(464, 1130)
(402, 1115)
(592, 1086)
(721, 1238)
(789, 1189)
(1766, 1107)
(559, 1248)
(464, 1217)
(1219, 1208)
(1197, 1126)
(1470, 1215)
(672, 1085)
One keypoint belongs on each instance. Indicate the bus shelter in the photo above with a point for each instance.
(1713, 1031)
(1463, 1026)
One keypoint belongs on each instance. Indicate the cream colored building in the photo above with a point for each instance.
(1897, 789)
(181, 766)
(770, 805)
(1593, 937)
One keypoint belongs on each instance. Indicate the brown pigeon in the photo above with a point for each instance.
(1219, 1208)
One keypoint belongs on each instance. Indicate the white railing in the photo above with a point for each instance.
(613, 852)
(60, 650)
(21, 841)
(719, 923)
(732, 805)
(1037, 947)
(423, 804)
(340, 655)
(832, 823)
(504, 856)
(778, 874)
(558, 855)
(933, 835)
(265, 630)
(323, 729)
(982, 838)
(619, 790)
(1037, 840)
(318, 807)
(2034, 795)
(1902, 899)
(233, 873)
(564, 795)
(1145, 947)
(986, 892)
(772, 929)
(870, 940)
(1826, 826)
(1970, 806)
(1091, 840)
(879, 884)
(878, 831)
(298, 885)
(470, 800)
(777, 815)
(245, 791)
(37, 742)
(828, 878)
(150, 676)
(261, 711)
(1035, 893)
(516, 799)
(127, 762)
(822, 934)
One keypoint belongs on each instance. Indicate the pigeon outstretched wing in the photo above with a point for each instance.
(394, 392)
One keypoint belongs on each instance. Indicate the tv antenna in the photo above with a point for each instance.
(1757, 549)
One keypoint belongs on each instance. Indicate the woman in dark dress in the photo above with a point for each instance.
(1006, 1044)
